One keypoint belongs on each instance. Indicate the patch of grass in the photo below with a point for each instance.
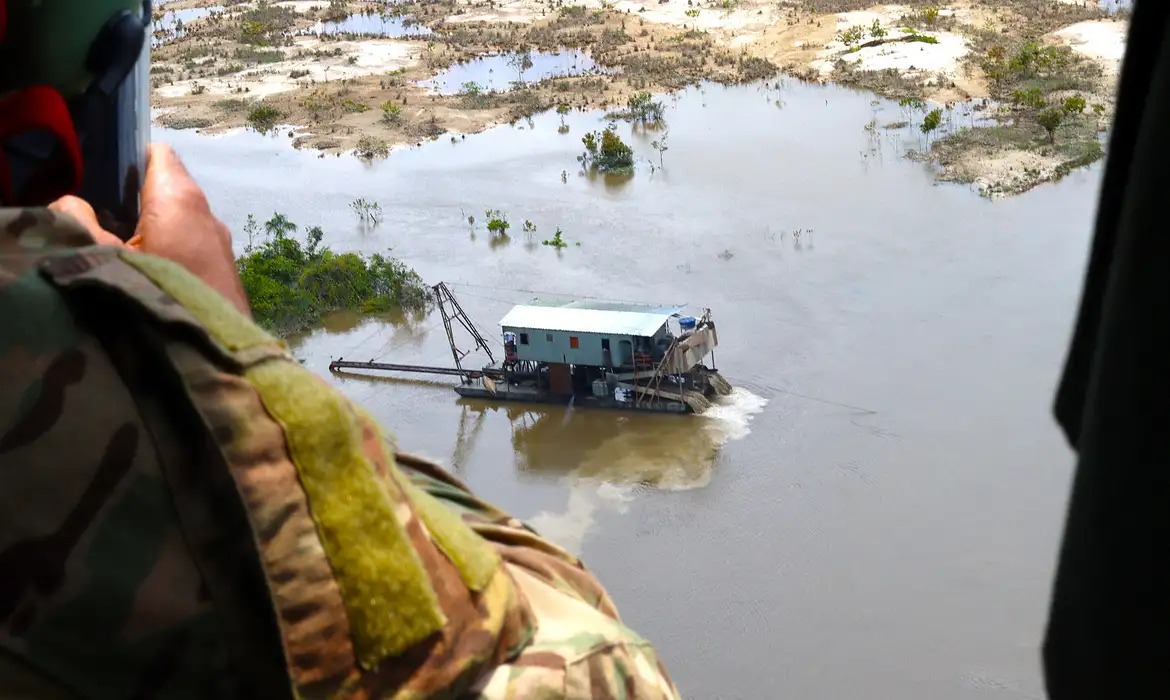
(426, 129)
(753, 68)
(687, 36)
(190, 53)
(951, 148)
(265, 25)
(263, 118)
(251, 54)
(231, 104)
(577, 16)
(1080, 154)
(887, 83)
(920, 38)
(180, 122)
(473, 96)
(643, 69)
(370, 147)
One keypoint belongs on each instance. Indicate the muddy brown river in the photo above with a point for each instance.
(875, 512)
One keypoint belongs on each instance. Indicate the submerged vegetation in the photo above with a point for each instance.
(641, 108)
(605, 152)
(292, 284)
(497, 222)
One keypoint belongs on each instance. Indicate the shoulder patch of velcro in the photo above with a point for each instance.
(389, 598)
(223, 321)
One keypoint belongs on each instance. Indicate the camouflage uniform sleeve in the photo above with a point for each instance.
(99, 593)
(580, 648)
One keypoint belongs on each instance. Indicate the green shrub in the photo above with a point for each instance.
(932, 121)
(291, 285)
(606, 152)
(1074, 105)
(263, 117)
(391, 112)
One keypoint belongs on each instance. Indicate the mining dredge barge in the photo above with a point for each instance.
(584, 353)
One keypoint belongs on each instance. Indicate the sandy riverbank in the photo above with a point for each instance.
(260, 64)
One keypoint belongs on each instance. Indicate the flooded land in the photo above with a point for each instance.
(875, 510)
(1010, 93)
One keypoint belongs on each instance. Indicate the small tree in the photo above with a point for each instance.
(520, 62)
(910, 105)
(852, 35)
(1050, 119)
(562, 110)
(391, 113)
(279, 226)
(876, 30)
(251, 228)
(1025, 61)
(660, 146)
(313, 236)
(473, 95)
(529, 227)
(497, 222)
(932, 121)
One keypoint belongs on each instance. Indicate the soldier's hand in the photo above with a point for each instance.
(175, 223)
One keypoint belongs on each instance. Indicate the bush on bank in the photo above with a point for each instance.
(291, 285)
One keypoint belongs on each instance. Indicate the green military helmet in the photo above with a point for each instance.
(49, 41)
(75, 102)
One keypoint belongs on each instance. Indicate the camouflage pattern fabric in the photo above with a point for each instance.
(186, 512)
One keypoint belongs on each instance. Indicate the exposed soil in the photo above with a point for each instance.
(275, 64)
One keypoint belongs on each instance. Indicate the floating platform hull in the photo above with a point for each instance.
(531, 395)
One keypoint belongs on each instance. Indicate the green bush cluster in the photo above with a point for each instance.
(291, 284)
(606, 152)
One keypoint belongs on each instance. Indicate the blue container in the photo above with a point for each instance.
(687, 323)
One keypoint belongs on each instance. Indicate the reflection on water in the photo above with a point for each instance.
(172, 24)
(378, 333)
(610, 455)
(373, 24)
(663, 451)
(500, 71)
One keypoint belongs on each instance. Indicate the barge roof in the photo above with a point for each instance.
(611, 318)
